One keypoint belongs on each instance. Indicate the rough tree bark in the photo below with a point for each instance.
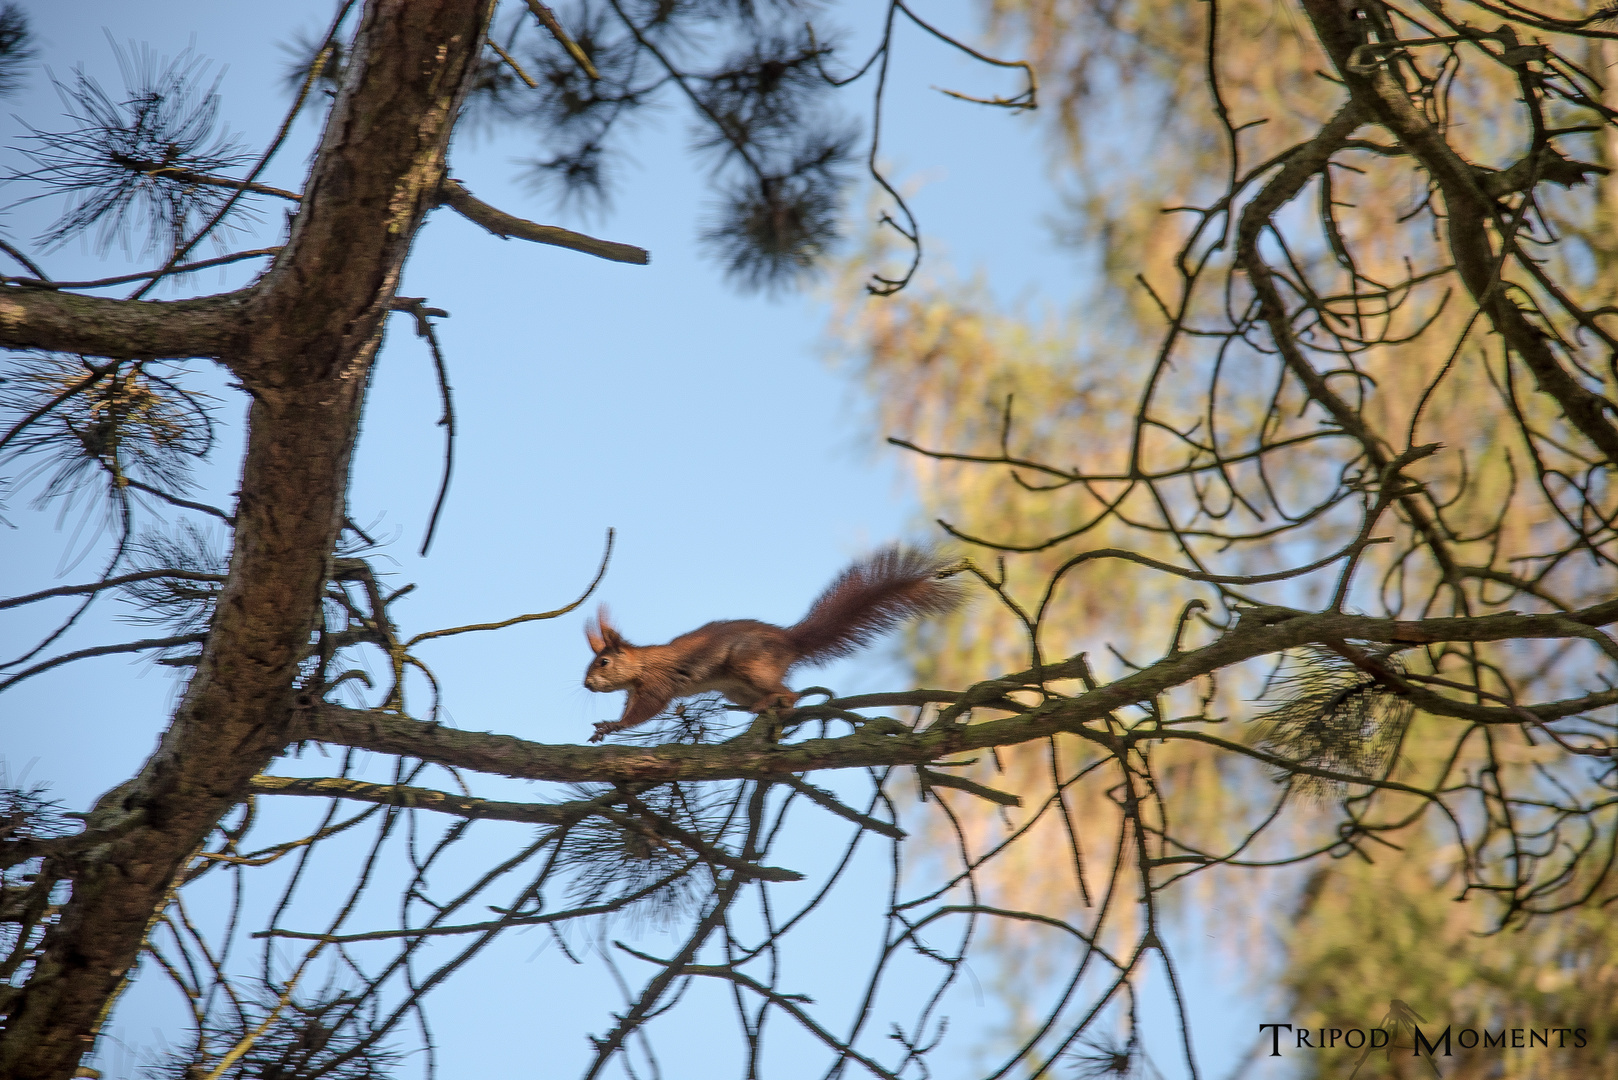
(301, 341)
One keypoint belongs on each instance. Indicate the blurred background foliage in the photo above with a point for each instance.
(1131, 131)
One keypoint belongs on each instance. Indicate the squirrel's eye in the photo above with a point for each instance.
(601, 661)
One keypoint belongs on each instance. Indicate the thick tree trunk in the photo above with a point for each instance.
(307, 335)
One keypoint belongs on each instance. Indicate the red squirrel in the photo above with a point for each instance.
(746, 660)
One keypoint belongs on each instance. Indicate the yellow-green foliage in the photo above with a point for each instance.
(1134, 131)
(1367, 935)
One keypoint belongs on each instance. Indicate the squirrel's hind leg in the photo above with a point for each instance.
(779, 699)
(759, 686)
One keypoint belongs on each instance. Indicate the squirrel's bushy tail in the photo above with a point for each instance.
(871, 597)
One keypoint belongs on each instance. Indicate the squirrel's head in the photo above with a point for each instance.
(610, 668)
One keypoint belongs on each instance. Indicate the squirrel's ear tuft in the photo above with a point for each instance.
(592, 631)
(608, 637)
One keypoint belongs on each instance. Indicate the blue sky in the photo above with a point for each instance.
(704, 425)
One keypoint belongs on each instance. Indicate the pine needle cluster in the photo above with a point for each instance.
(1326, 712)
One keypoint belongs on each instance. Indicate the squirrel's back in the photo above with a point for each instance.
(871, 597)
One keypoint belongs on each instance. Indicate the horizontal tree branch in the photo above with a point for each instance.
(455, 196)
(104, 650)
(32, 318)
(16, 852)
(469, 807)
(898, 698)
(1260, 632)
(508, 919)
(124, 279)
(466, 806)
(175, 500)
(108, 583)
(190, 176)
